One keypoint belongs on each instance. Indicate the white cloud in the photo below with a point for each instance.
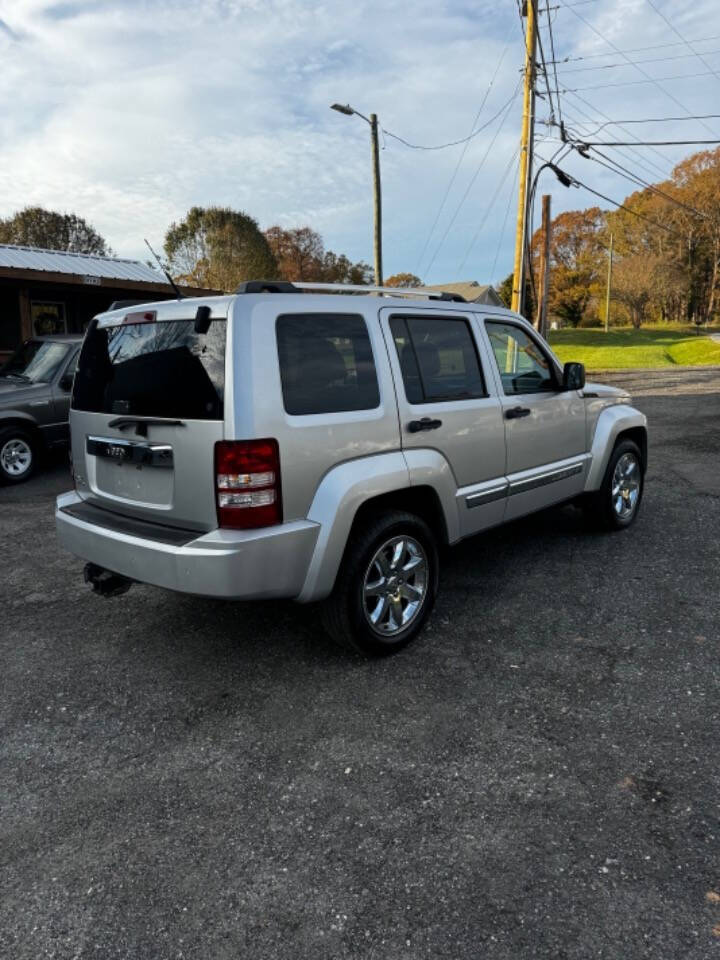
(128, 112)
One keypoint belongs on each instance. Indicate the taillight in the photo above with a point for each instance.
(247, 480)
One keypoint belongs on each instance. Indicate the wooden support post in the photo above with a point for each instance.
(26, 330)
(541, 323)
(609, 284)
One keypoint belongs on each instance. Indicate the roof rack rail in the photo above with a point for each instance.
(421, 292)
(285, 286)
(266, 286)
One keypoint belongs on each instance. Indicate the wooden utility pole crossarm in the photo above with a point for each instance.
(526, 144)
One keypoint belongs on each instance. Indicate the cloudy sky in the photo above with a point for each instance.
(128, 112)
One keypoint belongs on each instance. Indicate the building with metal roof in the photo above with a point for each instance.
(472, 291)
(77, 264)
(53, 291)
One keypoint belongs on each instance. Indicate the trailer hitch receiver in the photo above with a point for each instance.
(105, 582)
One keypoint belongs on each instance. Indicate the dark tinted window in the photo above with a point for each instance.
(438, 359)
(523, 366)
(326, 363)
(161, 369)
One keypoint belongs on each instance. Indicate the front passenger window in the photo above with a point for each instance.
(524, 367)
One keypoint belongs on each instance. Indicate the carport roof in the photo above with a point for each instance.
(83, 264)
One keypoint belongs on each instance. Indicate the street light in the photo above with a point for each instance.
(373, 122)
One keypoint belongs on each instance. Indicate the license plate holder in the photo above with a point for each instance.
(131, 452)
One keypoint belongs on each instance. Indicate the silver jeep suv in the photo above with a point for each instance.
(307, 442)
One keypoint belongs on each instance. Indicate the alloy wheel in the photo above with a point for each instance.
(626, 482)
(395, 585)
(16, 457)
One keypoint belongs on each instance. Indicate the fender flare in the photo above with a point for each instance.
(345, 488)
(611, 423)
(16, 416)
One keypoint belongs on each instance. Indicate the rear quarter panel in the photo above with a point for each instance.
(310, 445)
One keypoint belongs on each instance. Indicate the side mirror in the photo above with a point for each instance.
(65, 382)
(573, 376)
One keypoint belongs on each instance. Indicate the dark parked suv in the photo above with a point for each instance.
(35, 386)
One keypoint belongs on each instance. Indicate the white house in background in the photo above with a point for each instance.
(472, 291)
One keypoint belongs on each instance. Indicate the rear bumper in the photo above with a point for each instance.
(235, 564)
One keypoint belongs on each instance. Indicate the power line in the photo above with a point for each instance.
(654, 46)
(552, 51)
(579, 3)
(560, 154)
(453, 143)
(632, 156)
(611, 66)
(462, 155)
(702, 116)
(544, 65)
(650, 143)
(686, 42)
(616, 167)
(632, 63)
(488, 209)
(663, 158)
(634, 83)
(511, 194)
(621, 206)
(472, 181)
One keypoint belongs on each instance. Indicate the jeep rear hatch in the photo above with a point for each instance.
(147, 410)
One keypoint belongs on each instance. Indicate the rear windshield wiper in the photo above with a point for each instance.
(142, 423)
(19, 376)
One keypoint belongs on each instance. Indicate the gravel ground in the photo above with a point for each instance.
(536, 777)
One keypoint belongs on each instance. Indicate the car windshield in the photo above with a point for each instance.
(36, 361)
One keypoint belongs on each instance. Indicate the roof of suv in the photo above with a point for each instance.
(315, 292)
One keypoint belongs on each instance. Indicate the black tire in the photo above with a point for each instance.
(599, 507)
(345, 614)
(15, 443)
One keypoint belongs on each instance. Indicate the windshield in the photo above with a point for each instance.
(162, 369)
(36, 361)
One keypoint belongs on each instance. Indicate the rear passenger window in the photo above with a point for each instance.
(438, 359)
(326, 363)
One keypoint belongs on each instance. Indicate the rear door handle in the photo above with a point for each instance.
(415, 426)
(514, 413)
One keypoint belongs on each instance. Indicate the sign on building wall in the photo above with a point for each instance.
(48, 318)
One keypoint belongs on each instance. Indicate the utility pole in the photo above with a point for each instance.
(526, 149)
(541, 322)
(372, 120)
(377, 199)
(609, 282)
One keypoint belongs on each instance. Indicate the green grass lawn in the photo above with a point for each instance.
(626, 348)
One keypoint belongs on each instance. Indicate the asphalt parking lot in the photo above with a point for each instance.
(538, 776)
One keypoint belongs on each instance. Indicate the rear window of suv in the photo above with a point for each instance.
(326, 363)
(159, 369)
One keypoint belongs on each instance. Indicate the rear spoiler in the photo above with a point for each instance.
(121, 304)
